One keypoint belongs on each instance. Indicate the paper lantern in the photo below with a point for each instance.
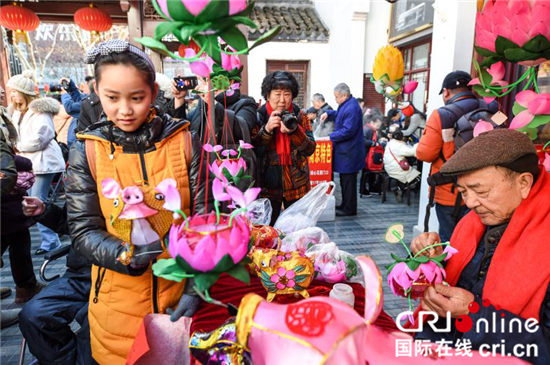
(93, 20)
(20, 20)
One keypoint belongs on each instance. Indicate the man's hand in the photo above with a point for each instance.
(442, 299)
(187, 306)
(274, 122)
(63, 91)
(323, 117)
(179, 95)
(32, 206)
(424, 240)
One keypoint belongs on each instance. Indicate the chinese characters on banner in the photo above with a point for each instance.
(320, 163)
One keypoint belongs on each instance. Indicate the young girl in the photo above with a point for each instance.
(115, 197)
(33, 119)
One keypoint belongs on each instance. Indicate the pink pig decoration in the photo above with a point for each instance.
(140, 216)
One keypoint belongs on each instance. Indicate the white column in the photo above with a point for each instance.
(452, 49)
(357, 52)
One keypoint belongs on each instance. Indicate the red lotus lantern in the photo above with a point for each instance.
(93, 20)
(19, 19)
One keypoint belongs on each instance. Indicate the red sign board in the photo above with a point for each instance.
(320, 163)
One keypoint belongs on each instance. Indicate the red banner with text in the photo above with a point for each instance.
(320, 163)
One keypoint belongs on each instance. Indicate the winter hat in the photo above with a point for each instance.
(23, 83)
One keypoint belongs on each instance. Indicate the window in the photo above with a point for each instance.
(417, 67)
(299, 70)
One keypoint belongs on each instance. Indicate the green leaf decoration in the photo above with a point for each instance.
(299, 268)
(215, 10)
(538, 121)
(235, 38)
(178, 11)
(205, 281)
(439, 258)
(487, 62)
(413, 265)
(159, 11)
(170, 270)
(189, 31)
(213, 48)
(485, 52)
(537, 44)
(166, 27)
(485, 77)
(481, 91)
(224, 264)
(266, 37)
(439, 264)
(422, 259)
(235, 20)
(502, 44)
(240, 273)
(519, 55)
(531, 132)
(516, 109)
(265, 277)
(226, 173)
(185, 266)
(241, 172)
(300, 278)
(298, 288)
(156, 46)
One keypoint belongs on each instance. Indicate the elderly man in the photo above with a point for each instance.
(502, 261)
(349, 150)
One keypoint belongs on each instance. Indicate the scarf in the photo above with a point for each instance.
(282, 140)
(519, 273)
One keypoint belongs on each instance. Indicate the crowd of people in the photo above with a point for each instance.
(129, 128)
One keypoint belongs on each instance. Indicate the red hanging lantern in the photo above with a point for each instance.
(93, 20)
(19, 19)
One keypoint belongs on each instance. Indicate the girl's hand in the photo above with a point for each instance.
(32, 206)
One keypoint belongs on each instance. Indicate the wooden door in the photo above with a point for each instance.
(299, 70)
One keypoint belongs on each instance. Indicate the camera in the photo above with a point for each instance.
(186, 83)
(55, 88)
(289, 120)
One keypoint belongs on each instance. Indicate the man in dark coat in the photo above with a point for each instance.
(349, 151)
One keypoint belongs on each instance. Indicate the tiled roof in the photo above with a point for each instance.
(299, 20)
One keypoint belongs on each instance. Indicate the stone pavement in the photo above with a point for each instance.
(359, 235)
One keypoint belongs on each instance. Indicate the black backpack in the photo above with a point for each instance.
(466, 121)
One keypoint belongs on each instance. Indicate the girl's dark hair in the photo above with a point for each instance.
(126, 59)
(280, 80)
(397, 134)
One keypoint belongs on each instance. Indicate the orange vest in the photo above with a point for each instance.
(116, 313)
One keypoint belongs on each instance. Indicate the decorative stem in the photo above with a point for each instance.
(398, 236)
(235, 213)
(546, 145)
(535, 83)
(216, 206)
(184, 216)
(431, 246)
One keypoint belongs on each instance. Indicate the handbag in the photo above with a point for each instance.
(404, 164)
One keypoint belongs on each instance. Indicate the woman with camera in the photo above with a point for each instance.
(283, 143)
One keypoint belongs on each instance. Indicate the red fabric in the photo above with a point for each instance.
(229, 290)
(282, 140)
(519, 273)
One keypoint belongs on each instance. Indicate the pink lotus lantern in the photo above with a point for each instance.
(531, 110)
(411, 276)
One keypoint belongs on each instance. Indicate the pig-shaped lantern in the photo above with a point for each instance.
(138, 217)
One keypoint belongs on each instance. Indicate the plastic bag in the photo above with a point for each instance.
(305, 212)
(303, 239)
(259, 212)
(334, 265)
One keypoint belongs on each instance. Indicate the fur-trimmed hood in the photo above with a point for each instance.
(45, 105)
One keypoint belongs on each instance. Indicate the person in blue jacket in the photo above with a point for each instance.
(348, 146)
(71, 100)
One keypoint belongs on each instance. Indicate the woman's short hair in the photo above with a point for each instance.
(280, 80)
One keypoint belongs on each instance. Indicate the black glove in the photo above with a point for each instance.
(188, 304)
(143, 255)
